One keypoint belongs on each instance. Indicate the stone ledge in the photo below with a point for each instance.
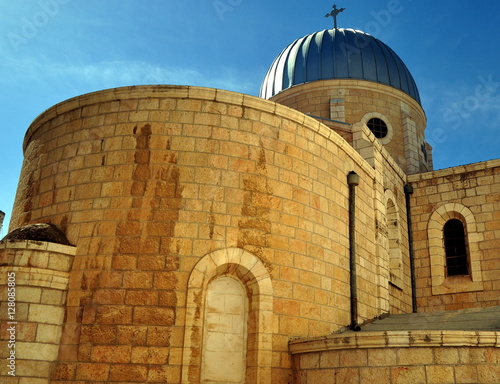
(396, 339)
(38, 245)
(36, 277)
(448, 286)
(37, 255)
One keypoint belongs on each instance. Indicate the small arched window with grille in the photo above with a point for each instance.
(455, 248)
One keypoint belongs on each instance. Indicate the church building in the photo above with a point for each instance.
(178, 234)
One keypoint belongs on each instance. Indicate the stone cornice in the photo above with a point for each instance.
(396, 339)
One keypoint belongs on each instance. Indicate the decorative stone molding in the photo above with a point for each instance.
(254, 276)
(390, 131)
(396, 339)
(442, 284)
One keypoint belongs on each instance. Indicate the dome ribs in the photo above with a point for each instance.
(338, 54)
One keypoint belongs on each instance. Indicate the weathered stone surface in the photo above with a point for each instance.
(164, 190)
(38, 232)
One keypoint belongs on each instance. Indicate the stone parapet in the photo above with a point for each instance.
(398, 357)
(397, 339)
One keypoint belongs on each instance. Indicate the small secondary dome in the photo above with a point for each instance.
(338, 54)
(38, 232)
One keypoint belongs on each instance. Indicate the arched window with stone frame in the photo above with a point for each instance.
(442, 281)
(229, 301)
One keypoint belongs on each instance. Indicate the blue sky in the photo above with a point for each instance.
(52, 50)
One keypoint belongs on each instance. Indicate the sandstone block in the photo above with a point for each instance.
(375, 375)
(131, 334)
(382, 357)
(466, 374)
(415, 356)
(111, 353)
(154, 316)
(92, 372)
(150, 355)
(407, 375)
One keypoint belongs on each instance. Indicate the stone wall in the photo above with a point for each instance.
(34, 279)
(354, 101)
(470, 193)
(162, 188)
(398, 358)
(390, 224)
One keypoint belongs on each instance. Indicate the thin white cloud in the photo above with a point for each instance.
(121, 73)
(461, 102)
(464, 108)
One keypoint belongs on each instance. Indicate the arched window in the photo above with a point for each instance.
(229, 307)
(455, 248)
(378, 127)
(444, 273)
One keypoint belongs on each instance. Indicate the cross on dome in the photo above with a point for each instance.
(334, 13)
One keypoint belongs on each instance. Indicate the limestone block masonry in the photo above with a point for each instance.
(164, 189)
(40, 277)
(470, 193)
(354, 101)
(398, 357)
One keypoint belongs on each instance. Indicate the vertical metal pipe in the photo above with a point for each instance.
(353, 181)
(408, 192)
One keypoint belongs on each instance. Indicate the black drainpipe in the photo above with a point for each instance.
(353, 181)
(408, 192)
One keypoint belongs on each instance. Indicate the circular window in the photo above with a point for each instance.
(378, 127)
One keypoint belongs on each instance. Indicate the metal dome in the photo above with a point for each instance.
(338, 54)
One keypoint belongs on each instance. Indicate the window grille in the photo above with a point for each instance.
(378, 127)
